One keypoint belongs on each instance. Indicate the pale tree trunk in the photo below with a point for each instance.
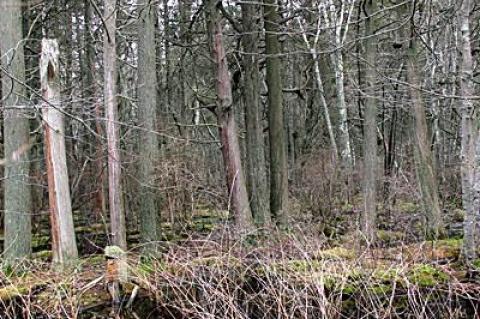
(312, 48)
(423, 153)
(368, 222)
(470, 173)
(17, 192)
(237, 191)
(335, 22)
(276, 125)
(256, 167)
(147, 102)
(117, 215)
(64, 246)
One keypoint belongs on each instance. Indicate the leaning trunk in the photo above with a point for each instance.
(237, 191)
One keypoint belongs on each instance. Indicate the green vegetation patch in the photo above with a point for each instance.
(426, 275)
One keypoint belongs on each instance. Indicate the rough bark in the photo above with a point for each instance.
(18, 204)
(117, 214)
(64, 246)
(148, 146)
(256, 167)
(237, 191)
(470, 157)
(423, 153)
(276, 125)
(100, 203)
(368, 223)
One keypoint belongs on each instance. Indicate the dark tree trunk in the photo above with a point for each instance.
(276, 125)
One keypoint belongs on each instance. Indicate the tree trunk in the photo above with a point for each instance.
(469, 156)
(237, 191)
(148, 146)
(276, 125)
(117, 215)
(423, 153)
(64, 246)
(100, 204)
(368, 224)
(256, 166)
(18, 204)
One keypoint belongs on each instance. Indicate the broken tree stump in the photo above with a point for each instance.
(64, 246)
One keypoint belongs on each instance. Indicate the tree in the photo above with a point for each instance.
(276, 129)
(148, 146)
(117, 214)
(237, 191)
(368, 224)
(18, 204)
(64, 246)
(469, 135)
(423, 153)
(256, 166)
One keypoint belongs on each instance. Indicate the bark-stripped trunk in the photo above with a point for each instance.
(148, 146)
(237, 191)
(17, 192)
(423, 153)
(276, 125)
(64, 246)
(256, 167)
(469, 156)
(368, 223)
(117, 215)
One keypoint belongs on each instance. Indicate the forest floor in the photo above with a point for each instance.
(204, 273)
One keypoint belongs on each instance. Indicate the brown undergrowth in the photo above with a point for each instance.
(286, 276)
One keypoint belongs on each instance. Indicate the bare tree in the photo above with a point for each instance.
(256, 167)
(148, 146)
(276, 125)
(238, 197)
(18, 203)
(469, 156)
(117, 214)
(423, 154)
(368, 224)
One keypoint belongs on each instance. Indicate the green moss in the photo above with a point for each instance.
(303, 265)
(458, 215)
(337, 253)
(389, 236)
(476, 263)
(426, 275)
(11, 291)
(407, 207)
(380, 288)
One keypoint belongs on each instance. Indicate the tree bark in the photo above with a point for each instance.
(256, 166)
(17, 192)
(276, 125)
(238, 197)
(148, 146)
(117, 214)
(64, 246)
(423, 153)
(470, 165)
(100, 203)
(368, 223)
